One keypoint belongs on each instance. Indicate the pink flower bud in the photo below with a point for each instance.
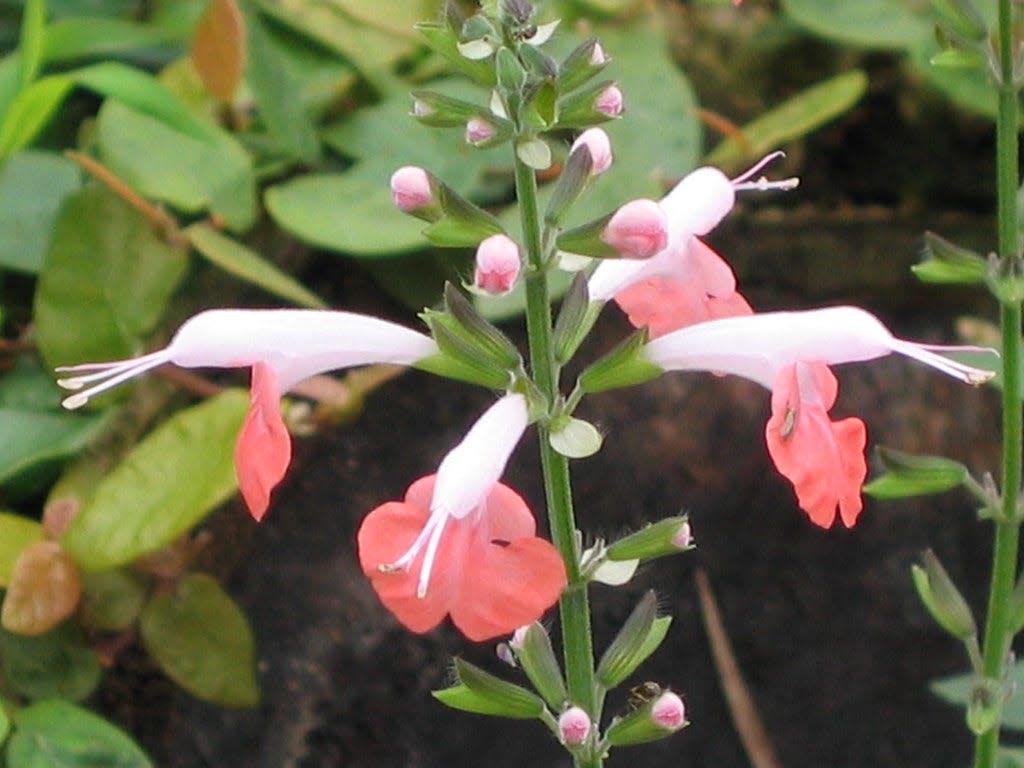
(421, 108)
(479, 130)
(638, 230)
(410, 188)
(683, 537)
(574, 726)
(609, 101)
(497, 264)
(597, 143)
(597, 55)
(668, 711)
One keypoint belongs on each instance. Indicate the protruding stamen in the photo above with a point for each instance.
(108, 374)
(966, 373)
(428, 558)
(746, 181)
(429, 537)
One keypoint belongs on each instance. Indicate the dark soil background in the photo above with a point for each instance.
(826, 626)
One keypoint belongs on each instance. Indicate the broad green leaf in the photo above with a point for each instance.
(167, 483)
(911, 475)
(868, 23)
(794, 118)
(16, 533)
(957, 690)
(32, 187)
(105, 280)
(278, 95)
(349, 212)
(30, 111)
(188, 173)
(396, 17)
(143, 93)
(55, 664)
(77, 38)
(32, 441)
(56, 734)
(235, 258)
(111, 600)
(202, 640)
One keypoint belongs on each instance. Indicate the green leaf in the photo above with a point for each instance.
(162, 163)
(32, 440)
(946, 262)
(111, 600)
(236, 259)
(54, 664)
(485, 694)
(910, 475)
(350, 212)
(167, 483)
(30, 44)
(957, 690)
(71, 39)
(56, 734)
(202, 640)
(441, 39)
(277, 94)
(30, 111)
(105, 280)
(32, 187)
(793, 118)
(867, 23)
(16, 533)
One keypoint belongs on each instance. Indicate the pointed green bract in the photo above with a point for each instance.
(485, 694)
(911, 475)
(537, 658)
(651, 541)
(942, 598)
(639, 637)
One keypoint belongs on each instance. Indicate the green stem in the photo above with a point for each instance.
(574, 605)
(997, 636)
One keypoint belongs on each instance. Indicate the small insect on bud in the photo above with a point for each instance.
(600, 148)
(497, 265)
(638, 230)
(574, 726)
(668, 711)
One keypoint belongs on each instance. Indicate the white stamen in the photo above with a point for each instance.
(428, 558)
(109, 374)
(924, 353)
(743, 181)
(430, 537)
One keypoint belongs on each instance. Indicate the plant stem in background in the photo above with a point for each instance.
(1007, 531)
(574, 605)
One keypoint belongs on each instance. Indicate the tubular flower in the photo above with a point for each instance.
(685, 282)
(789, 354)
(463, 544)
(282, 347)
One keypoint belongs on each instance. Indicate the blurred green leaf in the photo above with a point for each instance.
(33, 27)
(235, 258)
(970, 89)
(111, 600)
(31, 440)
(1010, 758)
(483, 693)
(867, 23)
(957, 690)
(16, 533)
(203, 641)
(82, 37)
(30, 111)
(162, 163)
(912, 475)
(167, 483)
(54, 664)
(278, 95)
(105, 280)
(793, 118)
(56, 734)
(349, 212)
(32, 187)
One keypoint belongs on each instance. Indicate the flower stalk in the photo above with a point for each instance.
(998, 632)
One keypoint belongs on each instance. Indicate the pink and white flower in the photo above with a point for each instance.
(789, 353)
(497, 265)
(686, 281)
(461, 543)
(282, 347)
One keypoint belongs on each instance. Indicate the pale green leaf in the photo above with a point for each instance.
(16, 533)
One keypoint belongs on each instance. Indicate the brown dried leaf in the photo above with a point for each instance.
(218, 48)
(44, 590)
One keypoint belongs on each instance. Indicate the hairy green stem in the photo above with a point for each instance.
(574, 605)
(997, 636)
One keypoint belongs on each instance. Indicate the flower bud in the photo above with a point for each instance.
(684, 536)
(668, 711)
(497, 264)
(479, 130)
(410, 189)
(609, 101)
(638, 230)
(421, 108)
(574, 726)
(598, 145)
(597, 55)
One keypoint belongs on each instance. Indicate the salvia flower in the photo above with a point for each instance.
(574, 726)
(686, 281)
(789, 354)
(600, 148)
(497, 265)
(463, 544)
(282, 347)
